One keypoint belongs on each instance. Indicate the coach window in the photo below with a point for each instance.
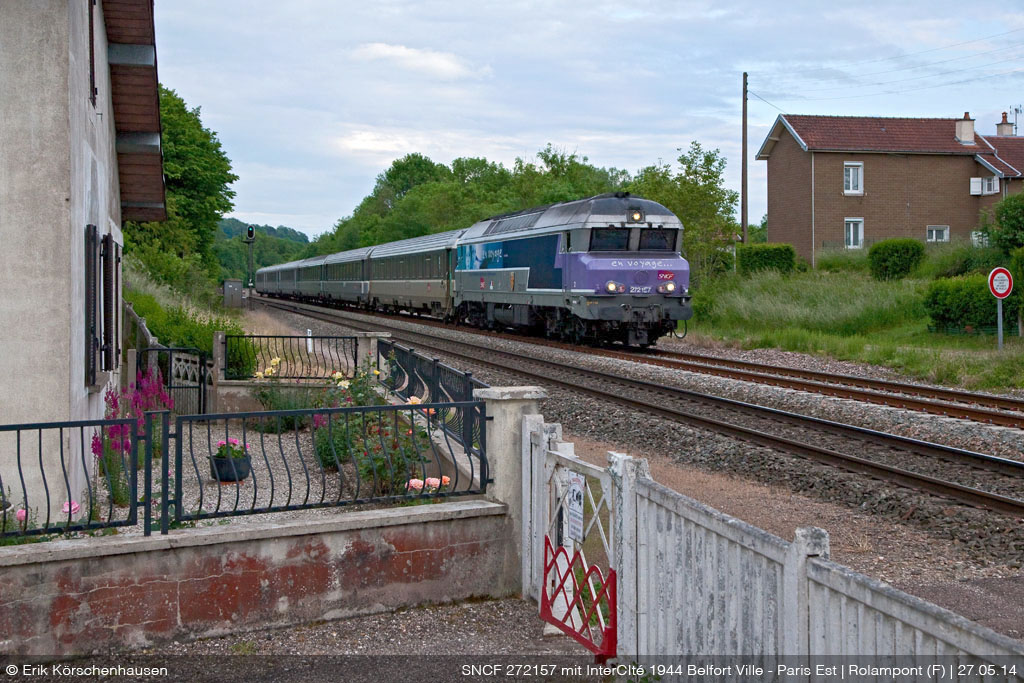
(657, 240)
(609, 239)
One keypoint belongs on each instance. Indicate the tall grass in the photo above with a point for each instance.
(850, 305)
(849, 315)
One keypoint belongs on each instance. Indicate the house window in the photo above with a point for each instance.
(938, 233)
(854, 233)
(990, 185)
(853, 177)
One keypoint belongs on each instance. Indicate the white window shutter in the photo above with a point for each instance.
(975, 185)
(995, 184)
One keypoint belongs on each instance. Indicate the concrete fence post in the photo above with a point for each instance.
(625, 471)
(131, 368)
(220, 355)
(366, 349)
(506, 409)
(533, 440)
(808, 542)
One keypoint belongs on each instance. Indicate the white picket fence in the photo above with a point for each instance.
(695, 581)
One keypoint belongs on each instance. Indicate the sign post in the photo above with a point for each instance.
(1000, 283)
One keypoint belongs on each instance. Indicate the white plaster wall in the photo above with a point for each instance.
(58, 173)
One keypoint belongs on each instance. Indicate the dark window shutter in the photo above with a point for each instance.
(117, 305)
(90, 304)
(109, 346)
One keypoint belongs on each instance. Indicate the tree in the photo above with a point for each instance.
(697, 195)
(1008, 231)
(197, 176)
(758, 234)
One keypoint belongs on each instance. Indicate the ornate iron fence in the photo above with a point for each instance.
(414, 377)
(184, 373)
(309, 357)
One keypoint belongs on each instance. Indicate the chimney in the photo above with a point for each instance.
(965, 130)
(1004, 127)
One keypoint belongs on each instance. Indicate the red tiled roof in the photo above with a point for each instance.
(1010, 150)
(878, 134)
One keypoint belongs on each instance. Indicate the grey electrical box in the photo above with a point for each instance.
(233, 293)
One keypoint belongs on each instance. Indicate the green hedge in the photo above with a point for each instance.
(754, 257)
(962, 302)
(894, 259)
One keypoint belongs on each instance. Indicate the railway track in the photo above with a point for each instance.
(881, 456)
(987, 408)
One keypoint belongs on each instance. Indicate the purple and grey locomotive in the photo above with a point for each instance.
(600, 269)
(605, 268)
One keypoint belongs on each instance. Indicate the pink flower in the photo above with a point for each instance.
(71, 507)
(445, 481)
(222, 443)
(21, 514)
(233, 441)
(97, 445)
(432, 482)
(414, 485)
(319, 421)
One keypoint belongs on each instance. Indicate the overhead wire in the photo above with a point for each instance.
(920, 52)
(901, 92)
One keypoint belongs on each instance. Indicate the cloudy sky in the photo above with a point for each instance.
(313, 98)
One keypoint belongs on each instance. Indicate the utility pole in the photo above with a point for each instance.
(743, 185)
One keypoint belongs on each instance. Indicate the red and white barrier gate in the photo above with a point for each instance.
(579, 591)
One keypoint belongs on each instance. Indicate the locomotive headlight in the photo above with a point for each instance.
(636, 216)
(667, 288)
(612, 286)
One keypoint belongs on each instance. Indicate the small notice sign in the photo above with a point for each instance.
(574, 506)
(1000, 283)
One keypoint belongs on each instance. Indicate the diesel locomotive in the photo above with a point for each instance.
(595, 270)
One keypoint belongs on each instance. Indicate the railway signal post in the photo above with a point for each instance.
(1000, 283)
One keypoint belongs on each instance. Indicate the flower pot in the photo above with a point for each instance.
(230, 469)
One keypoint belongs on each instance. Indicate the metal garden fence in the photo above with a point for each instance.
(309, 357)
(82, 476)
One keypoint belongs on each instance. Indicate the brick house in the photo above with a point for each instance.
(849, 181)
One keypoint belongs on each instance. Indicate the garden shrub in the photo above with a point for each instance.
(754, 257)
(958, 258)
(965, 302)
(894, 259)
(1017, 267)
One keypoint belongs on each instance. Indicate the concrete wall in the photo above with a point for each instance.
(113, 593)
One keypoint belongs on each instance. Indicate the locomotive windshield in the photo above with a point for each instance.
(609, 239)
(657, 240)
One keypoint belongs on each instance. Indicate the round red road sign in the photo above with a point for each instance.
(1000, 282)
